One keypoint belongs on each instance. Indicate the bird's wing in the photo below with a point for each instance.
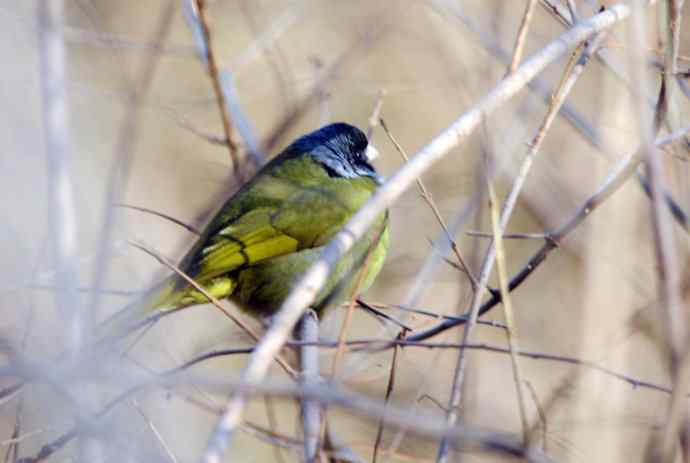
(304, 219)
(250, 239)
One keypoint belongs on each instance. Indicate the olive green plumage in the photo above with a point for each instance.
(268, 234)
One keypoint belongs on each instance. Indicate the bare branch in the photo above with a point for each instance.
(667, 266)
(309, 362)
(389, 391)
(126, 139)
(197, 18)
(61, 206)
(522, 35)
(186, 226)
(511, 331)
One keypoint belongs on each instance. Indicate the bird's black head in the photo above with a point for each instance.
(342, 149)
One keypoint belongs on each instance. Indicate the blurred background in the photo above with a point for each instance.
(143, 123)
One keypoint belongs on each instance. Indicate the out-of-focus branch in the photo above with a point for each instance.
(232, 106)
(670, 19)
(423, 424)
(308, 286)
(667, 266)
(126, 139)
(104, 39)
(309, 363)
(61, 207)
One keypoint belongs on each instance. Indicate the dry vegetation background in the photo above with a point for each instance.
(596, 297)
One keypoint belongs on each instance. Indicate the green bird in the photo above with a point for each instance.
(268, 233)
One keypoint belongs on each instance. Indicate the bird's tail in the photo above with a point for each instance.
(155, 301)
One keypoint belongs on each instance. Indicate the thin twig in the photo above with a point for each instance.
(668, 270)
(272, 425)
(430, 313)
(522, 35)
(508, 236)
(389, 391)
(368, 308)
(185, 123)
(182, 224)
(353, 300)
(541, 413)
(154, 430)
(376, 114)
(633, 381)
(426, 196)
(511, 331)
(212, 68)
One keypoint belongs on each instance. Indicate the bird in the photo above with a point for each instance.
(266, 235)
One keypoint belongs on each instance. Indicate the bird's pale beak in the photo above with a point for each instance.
(371, 153)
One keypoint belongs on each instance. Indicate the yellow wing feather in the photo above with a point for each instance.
(247, 241)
